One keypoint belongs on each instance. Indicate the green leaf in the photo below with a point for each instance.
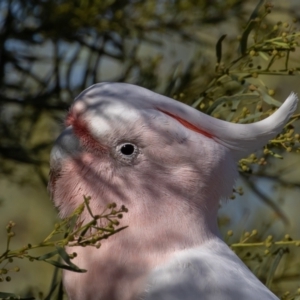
(53, 287)
(219, 48)
(225, 99)
(263, 55)
(56, 280)
(65, 256)
(11, 296)
(60, 294)
(66, 267)
(275, 154)
(197, 102)
(252, 117)
(270, 100)
(47, 255)
(274, 266)
(249, 27)
(86, 201)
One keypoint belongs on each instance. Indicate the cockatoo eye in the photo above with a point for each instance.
(127, 151)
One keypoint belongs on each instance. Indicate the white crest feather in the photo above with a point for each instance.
(242, 139)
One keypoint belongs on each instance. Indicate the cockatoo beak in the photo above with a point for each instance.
(65, 145)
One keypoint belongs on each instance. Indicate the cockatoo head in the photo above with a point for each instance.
(160, 158)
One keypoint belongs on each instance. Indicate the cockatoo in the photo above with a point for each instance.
(170, 165)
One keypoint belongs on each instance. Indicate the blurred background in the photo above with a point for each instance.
(51, 50)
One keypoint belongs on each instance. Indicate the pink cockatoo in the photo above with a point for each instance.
(170, 165)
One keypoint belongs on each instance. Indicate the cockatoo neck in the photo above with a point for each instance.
(177, 210)
(153, 236)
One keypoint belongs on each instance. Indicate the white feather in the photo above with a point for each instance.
(242, 139)
(208, 272)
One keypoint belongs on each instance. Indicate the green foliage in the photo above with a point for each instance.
(71, 231)
(263, 255)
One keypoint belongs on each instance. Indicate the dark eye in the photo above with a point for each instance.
(127, 152)
(127, 149)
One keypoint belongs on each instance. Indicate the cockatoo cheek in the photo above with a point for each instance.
(98, 176)
(79, 177)
(214, 165)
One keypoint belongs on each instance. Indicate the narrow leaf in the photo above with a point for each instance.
(251, 118)
(11, 296)
(47, 255)
(64, 255)
(263, 55)
(54, 283)
(219, 48)
(270, 100)
(86, 201)
(275, 154)
(250, 26)
(225, 99)
(53, 287)
(66, 267)
(274, 266)
(60, 294)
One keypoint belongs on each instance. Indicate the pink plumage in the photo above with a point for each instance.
(177, 164)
